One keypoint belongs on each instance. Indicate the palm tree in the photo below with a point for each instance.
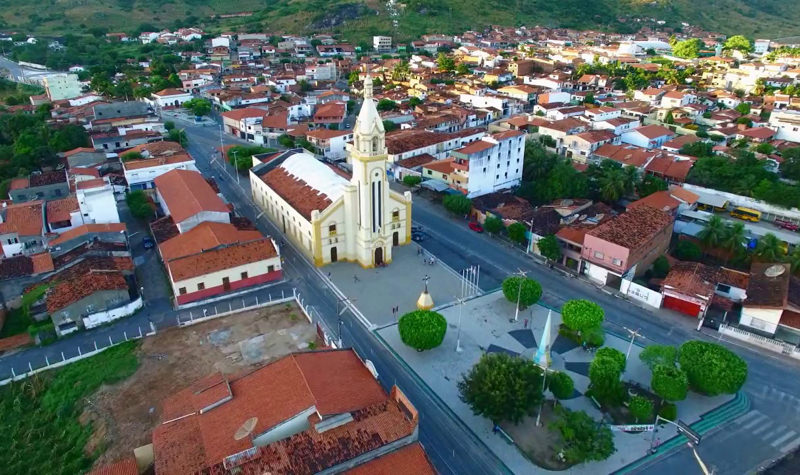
(769, 248)
(794, 259)
(612, 185)
(734, 238)
(713, 232)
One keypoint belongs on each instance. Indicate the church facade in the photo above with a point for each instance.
(332, 216)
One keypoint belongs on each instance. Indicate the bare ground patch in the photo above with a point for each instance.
(124, 414)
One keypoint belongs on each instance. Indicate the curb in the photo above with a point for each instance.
(732, 409)
(436, 400)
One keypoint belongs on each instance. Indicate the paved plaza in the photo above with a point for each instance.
(486, 327)
(376, 291)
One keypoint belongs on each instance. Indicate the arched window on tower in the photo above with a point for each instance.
(375, 145)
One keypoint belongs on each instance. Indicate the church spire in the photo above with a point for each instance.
(368, 86)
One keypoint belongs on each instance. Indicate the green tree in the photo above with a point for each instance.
(614, 354)
(445, 62)
(769, 248)
(560, 384)
(463, 69)
(734, 239)
(493, 224)
(502, 387)
(125, 157)
(687, 48)
(582, 315)
(389, 126)
(414, 101)
(241, 156)
(659, 355)
(738, 42)
(139, 204)
(688, 251)
(669, 119)
(549, 247)
(178, 135)
(765, 148)
(793, 258)
(517, 233)
(584, 439)
(660, 267)
(412, 180)
(305, 86)
(790, 167)
(386, 105)
(530, 293)
(422, 329)
(713, 232)
(285, 140)
(457, 204)
(669, 382)
(743, 108)
(604, 374)
(641, 408)
(169, 125)
(711, 368)
(198, 106)
(649, 185)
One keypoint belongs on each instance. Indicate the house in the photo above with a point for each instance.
(170, 98)
(648, 136)
(382, 44)
(64, 214)
(768, 292)
(787, 124)
(678, 142)
(112, 233)
(670, 201)
(330, 143)
(670, 167)
(115, 114)
(490, 164)
(215, 257)
(578, 220)
(559, 129)
(318, 206)
(579, 147)
(121, 139)
(408, 143)
(22, 228)
(189, 199)
(96, 201)
(158, 158)
(689, 288)
(39, 186)
(618, 125)
(235, 121)
(312, 412)
(84, 300)
(757, 134)
(627, 245)
(625, 155)
(84, 157)
(520, 92)
(61, 86)
(330, 114)
(673, 99)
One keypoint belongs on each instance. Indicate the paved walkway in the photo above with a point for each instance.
(486, 328)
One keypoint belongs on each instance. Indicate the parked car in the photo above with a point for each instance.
(416, 228)
(148, 243)
(788, 225)
(475, 226)
(417, 236)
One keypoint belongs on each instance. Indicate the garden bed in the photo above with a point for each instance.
(540, 445)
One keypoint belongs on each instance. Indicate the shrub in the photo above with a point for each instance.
(660, 267)
(457, 204)
(595, 338)
(139, 204)
(422, 329)
(582, 315)
(584, 439)
(411, 180)
(560, 384)
(688, 251)
(516, 232)
(131, 156)
(669, 383)
(641, 408)
(529, 295)
(711, 368)
(669, 411)
(655, 355)
(493, 225)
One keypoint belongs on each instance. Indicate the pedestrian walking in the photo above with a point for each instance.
(355, 279)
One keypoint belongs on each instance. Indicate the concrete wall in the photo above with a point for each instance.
(762, 319)
(215, 216)
(257, 273)
(46, 192)
(99, 318)
(99, 301)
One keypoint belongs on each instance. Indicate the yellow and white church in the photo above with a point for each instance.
(332, 216)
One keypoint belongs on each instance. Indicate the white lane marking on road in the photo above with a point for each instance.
(783, 438)
(760, 429)
(747, 416)
(758, 420)
(791, 445)
(771, 433)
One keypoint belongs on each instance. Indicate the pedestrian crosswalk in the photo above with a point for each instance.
(767, 429)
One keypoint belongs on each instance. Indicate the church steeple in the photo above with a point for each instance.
(369, 137)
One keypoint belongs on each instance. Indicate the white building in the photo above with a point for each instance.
(62, 86)
(97, 202)
(170, 98)
(382, 44)
(787, 124)
(761, 46)
(330, 143)
(648, 136)
(491, 164)
(330, 217)
(140, 173)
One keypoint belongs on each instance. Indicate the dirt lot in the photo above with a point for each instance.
(539, 444)
(125, 414)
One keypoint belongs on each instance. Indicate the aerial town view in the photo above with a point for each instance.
(399, 237)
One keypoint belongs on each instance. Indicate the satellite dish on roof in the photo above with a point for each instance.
(245, 429)
(775, 270)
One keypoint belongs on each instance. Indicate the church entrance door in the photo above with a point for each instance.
(396, 239)
(334, 254)
(379, 256)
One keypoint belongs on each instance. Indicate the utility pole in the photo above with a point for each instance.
(521, 273)
(235, 166)
(633, 334)
(458, 338)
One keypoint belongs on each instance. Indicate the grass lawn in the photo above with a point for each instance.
(17, 321)
(40, 415)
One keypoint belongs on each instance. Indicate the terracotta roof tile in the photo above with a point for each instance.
(475, 147)
(296, 192)
(247, 112)
(18, 184)
(441, 166)
(89, 184)
(25, 219)
(42, 262)
(633, 228)
(410, 460)
(86, 229)
(693, 279)
(415, 161)
(156, 149)
(206, 235)
(48, 178)
(653, 131)
(658, 200)
(72, 152)
(121, 467)
(768, 290)
(67, 292)
(225, 257)
(61, 210)
(186, 193)
(330, 112)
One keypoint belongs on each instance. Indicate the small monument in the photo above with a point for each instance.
(542, 356)
(425, 301)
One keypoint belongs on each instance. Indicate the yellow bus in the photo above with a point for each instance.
(747, 214)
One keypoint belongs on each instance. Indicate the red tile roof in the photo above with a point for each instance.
(653, 131)
(659, 200)
(72, 152)
(441, 166)
(121, 467)
(67, 292)
(170, 92)
(86, 229)
(475, 147)
(206, 235)
(625, 154)
(692, 279)
(296, 192)
(330, 112)
(759, 133)
(410, 460)
(219, 258)
(42, 262)
(186, 193)
(18, 184)
(670, 167)
(61, 210)
(89, 184)
(247, 112)
(25, 219)
(633, 228)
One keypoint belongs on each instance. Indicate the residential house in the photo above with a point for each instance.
(330, 143)
(327, 402)
(618, 125)
(330, 114)
(578, 220)
(39, 186)
(648, 136)
(625, 155)
(689, 288)
(669, 201)
(84, 157)
(491, 164)
(82, 301)
(787, 125)
(626, 246)
(772, 304)
(22, 228)
(158, 158)
(675, 99)
(167, 98)
(189, 199)
(558, 130)
(96, 201)
(64, 214)
(579, 147)
(61, 86)
(669, 167)
(113, 233)
(236, 121)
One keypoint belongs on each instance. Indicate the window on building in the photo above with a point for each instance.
(182, 290)
(332, 229)
(723, 288)
(244, 275)
(395, 215)
(270, 268)
(201, 286)
(617, 262)
(599, 255)
(430, 172)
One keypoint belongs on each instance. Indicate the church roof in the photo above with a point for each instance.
(368, 117)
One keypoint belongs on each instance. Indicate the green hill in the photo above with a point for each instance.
(359, 19)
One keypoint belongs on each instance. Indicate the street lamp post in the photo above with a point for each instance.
(521, 274)
(634, 334)
(458, 337)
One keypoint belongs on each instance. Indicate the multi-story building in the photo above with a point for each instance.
(382, 44)
(491, 164)
(787, 124)
(330, 144)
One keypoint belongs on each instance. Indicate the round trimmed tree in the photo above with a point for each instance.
(712, 369)
(422, 329)
(560, 384)
(614, 354)
(529, 294)
(641, 408)
(582, 315)
(669, 383)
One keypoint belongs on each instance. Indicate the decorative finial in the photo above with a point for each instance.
(368, 86)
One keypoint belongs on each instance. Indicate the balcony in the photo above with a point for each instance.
(461, 165)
